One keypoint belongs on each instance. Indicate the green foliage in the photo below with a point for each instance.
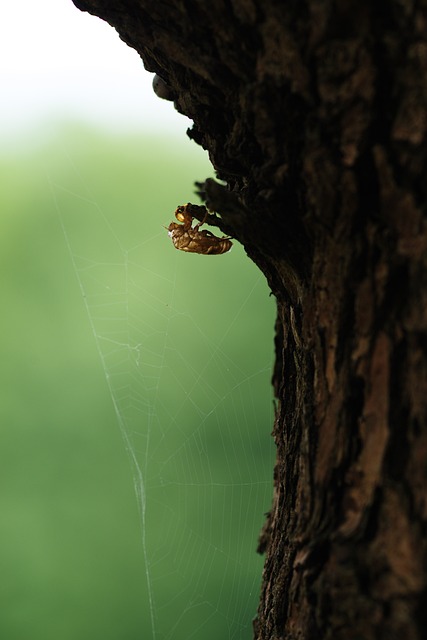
(106, 325)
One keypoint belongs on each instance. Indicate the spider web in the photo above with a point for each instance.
(185, 346)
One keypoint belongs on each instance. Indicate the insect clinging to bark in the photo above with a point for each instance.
(185, 237)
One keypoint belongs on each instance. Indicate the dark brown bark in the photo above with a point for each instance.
(315, 114)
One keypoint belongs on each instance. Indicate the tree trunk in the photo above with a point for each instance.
(314, 113)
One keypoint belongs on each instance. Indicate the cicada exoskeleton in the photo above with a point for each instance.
(185, 237)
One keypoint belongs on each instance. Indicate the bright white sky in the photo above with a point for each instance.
(58, 62)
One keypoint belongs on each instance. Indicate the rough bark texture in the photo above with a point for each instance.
(314, 113)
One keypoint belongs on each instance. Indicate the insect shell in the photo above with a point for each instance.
(185, 237)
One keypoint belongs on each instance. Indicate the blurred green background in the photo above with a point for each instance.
(135, 446)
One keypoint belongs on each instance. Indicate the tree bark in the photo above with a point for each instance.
(314, 113)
